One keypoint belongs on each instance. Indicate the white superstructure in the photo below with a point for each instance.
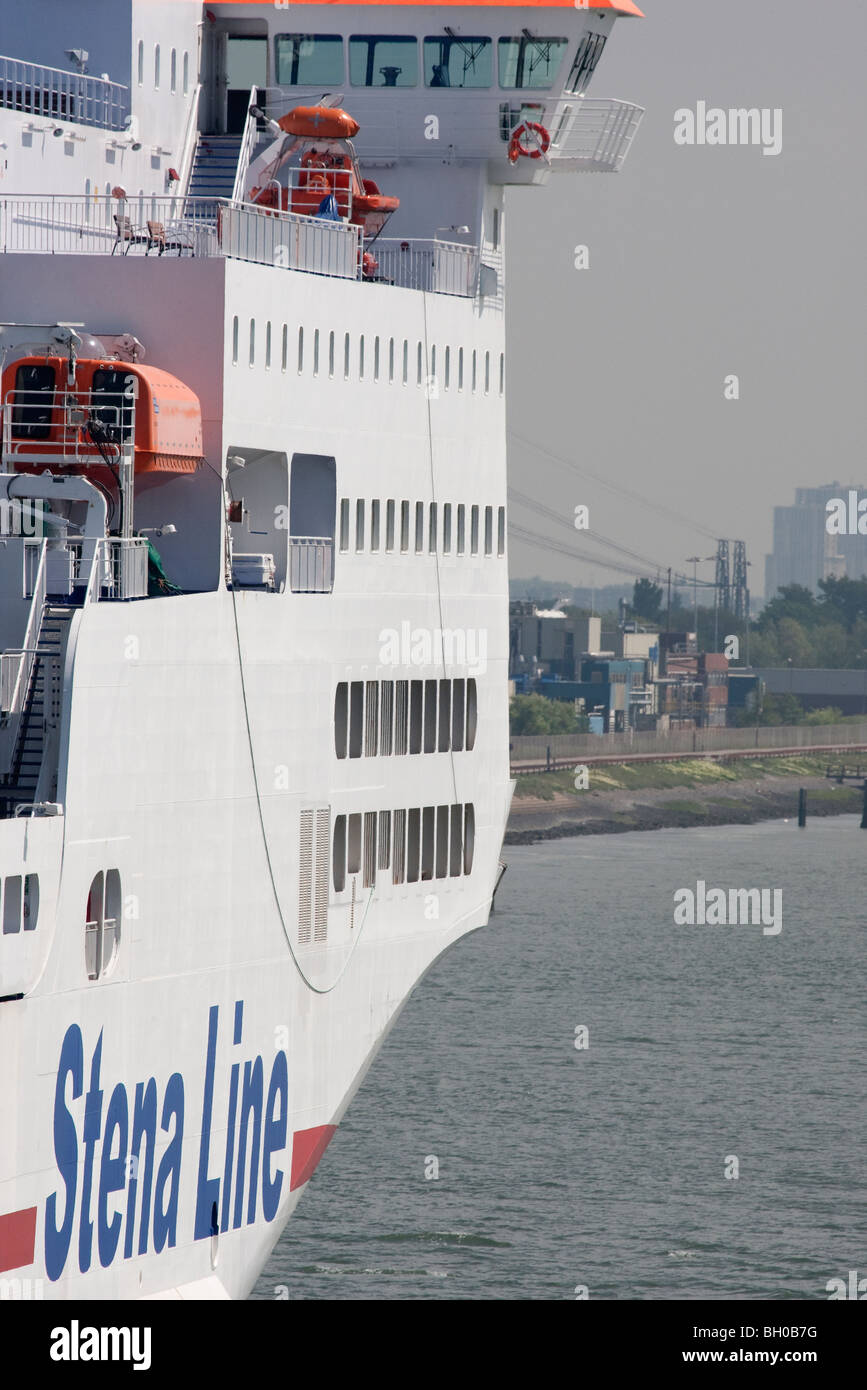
(253, 585)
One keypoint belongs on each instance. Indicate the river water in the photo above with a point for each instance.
(711, 1050)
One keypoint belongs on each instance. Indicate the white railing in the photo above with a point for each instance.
(444, 267)
(62, 96)
(65, 424)
(16, 670)
(311, 564)
(593, 134)
(248, 144)
(118, 569)
(290, 241)
(206, 227)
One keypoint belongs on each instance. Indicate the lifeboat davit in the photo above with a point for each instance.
(329, 182)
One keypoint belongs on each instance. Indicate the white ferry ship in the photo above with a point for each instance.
(254, 763)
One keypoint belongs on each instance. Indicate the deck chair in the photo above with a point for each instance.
(127, 235)
(174, 241)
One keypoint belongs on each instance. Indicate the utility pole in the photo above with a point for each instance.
(694, 560)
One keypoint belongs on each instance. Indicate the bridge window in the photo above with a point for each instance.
(173, 70)
(389, 524)
(530, 62)
(451, 60)
(588, 55)
(12, 905)
(140, 62)
(186, 79)
(308, 59)
(383, 60)
(157, 66)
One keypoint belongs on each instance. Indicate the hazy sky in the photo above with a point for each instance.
(704, 261)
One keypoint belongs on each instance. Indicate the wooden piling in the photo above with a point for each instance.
(864, 812)
(802, 808)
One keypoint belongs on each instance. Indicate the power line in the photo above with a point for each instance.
(631, 493)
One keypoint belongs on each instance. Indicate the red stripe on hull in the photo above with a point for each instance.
(308, 1146)
(17, 1239)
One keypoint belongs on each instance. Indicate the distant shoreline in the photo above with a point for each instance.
(721, 800)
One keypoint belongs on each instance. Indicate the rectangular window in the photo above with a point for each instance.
(474, 370)
(398, 857)
(456, 842)
(268, 346)
(489, 530)
(386, 715)
(338, 854)
(404, 526)
(472, 711)
(413, 844)
(416, 697)
(331, 354)
(391, 359)
(428, 823)
(432, 529)
(308, 59)
(405, 361)
(300, 349)
(389, 524)
(361, 358)
(418, 364)
(252, 342)
(234, 343)
(383, 60)
(353, 845)
(461, 528)
(284, 353)
(341, 718)
(501, 530)
(456, 61)
(588, 55)
(474, 530)
(430, 716)
(371, 719)
(376, 358)
(12, 905)
(316, 352)
(359, 524)
(346, 357)
(460, 369)
(458, 699)
(502, 373)
(384, 856)
(487, 372)
(356, 717)
(374, 524)
(344, 523)
(447, 528)
(419, 527)
(401, 715)
(530, 62)
(369, 849)
(442, 850)
(445, 716)
(447, 367)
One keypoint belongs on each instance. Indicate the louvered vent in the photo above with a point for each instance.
(305, 878)
(320, 886)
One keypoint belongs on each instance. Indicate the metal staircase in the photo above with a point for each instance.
(40, 714)
(215, 165)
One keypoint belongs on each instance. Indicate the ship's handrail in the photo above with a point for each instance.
(119, 569)
(27, 651)
(248, 144)
(442, 267)
(190, 140)
(61, 95)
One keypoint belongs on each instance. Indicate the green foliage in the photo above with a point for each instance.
(830, 715)
(534, 714)
(647, 600)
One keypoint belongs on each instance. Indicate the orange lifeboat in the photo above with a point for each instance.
(319, 122)
(83, 425)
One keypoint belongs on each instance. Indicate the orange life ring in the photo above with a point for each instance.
(536, 150)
